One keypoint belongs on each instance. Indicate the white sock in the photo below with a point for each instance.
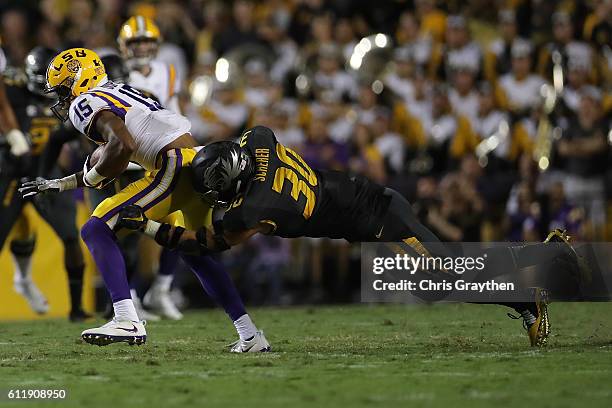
(245, 327)
(23, 267)
(164, 282)
(125, 310)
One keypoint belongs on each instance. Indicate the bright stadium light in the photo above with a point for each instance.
(380, 40)
(222, 70)
(355, 61)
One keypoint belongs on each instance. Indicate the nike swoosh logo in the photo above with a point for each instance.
(132, 330)
(380, 232)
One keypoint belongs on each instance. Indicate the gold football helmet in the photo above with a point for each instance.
(139, 40)
(71, 73)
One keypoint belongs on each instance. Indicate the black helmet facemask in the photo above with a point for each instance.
(221, 173)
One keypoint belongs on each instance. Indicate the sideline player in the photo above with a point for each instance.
(134, 127)
(268, 188)
(31, 105)
(139, 40)
(14, 154)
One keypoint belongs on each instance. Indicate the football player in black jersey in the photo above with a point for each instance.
(32, 110)
(267, 188)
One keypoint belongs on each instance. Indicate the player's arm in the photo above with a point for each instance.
(119, 148)
(201, 242)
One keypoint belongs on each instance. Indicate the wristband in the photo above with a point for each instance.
(68, 183)
(92, 178)
(151, 228)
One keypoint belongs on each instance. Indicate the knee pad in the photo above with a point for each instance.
(23, 247)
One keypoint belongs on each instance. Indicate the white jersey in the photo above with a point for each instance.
(522, 94)
(161, 82)
(151, 126)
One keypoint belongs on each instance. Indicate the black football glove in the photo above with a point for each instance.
(132, 217)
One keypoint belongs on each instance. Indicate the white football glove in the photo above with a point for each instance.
(40, 185)
(18, 141)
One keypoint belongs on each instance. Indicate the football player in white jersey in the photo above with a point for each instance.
(134, 127)
(138, 40)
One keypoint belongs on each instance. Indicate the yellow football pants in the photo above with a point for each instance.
(166, 195)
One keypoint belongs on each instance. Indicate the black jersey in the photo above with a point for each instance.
(36, 119)
(297, 200)
(33, 115)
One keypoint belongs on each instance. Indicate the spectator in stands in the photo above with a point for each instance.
(329, 76)
(400, 79)
(458, 40)
(498, 57)
(462, 95)
(519, 90)
(523, 215)
(408, 36)
(584, 150)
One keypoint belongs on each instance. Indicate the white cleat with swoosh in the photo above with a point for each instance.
(116, 331)
(256, 344)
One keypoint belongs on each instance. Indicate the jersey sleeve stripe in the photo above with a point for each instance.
(115, 98)
(117, 109)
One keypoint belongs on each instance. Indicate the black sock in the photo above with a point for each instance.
(75, 283)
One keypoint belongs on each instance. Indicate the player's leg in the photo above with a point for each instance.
(158, 297)
(219, 286)
(213, 275)
(128, 244)
(22, 246)
(153, 193)
(60, 212)
(401, 224)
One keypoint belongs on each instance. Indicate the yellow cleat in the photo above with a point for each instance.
(540, 330)
(558, 235)
(535, 320)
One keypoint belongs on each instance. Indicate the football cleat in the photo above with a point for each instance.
(117, 331)
(535, 319)
(28, 289)
(159, 300)
(256, 344)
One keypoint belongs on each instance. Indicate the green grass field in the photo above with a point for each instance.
(443, 355)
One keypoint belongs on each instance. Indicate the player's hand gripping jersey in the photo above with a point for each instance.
(296, 200)
(151, 126)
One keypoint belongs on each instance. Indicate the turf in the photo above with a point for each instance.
(442, 355)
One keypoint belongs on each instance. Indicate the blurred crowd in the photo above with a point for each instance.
(491, 116)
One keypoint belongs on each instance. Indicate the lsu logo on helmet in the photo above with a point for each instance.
(71, 73)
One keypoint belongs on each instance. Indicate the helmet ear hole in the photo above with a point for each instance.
(84, 83)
